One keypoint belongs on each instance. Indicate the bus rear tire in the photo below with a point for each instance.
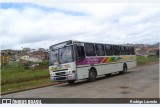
(92, 75)
(124, 69)
(71, 81)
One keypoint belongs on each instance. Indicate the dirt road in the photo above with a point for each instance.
(142, 82)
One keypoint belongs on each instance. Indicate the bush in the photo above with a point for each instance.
(26, 65)
(44, 63)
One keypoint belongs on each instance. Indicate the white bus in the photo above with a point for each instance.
(73, 60)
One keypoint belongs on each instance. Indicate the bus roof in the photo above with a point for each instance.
(68, 42)
(75, 41)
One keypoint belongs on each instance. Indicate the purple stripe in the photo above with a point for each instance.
(91, 60)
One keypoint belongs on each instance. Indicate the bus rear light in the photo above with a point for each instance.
(74, 71)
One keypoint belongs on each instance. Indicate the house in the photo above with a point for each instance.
(152, 51)
(138, 51)
(10, 52)
(39, 54)
(33, 59)
(29, 58)
(4, 60)
(25, 57)
(143, 50)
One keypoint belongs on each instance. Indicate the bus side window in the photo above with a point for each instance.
(80, 51)
(127, 50)
(109, 50)
(80, 54)
(90, 50)
(122, 50)
(116, 49)
(100, 50)
(132, 52)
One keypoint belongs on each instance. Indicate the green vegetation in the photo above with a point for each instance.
(15, 77)
(44, 63)
(28, 75)
(25, 85)
(142, 60)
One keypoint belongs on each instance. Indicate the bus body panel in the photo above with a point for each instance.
(131, 64)
(82, 72)
(106, 67)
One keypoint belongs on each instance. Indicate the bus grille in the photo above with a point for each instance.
(61, 78)
(60, 73)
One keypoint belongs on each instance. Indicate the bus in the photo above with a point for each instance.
(75, 60)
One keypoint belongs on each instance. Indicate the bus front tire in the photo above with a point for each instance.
(92, 75)
(71, 81)
(124, 69)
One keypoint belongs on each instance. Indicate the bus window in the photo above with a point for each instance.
(100, 50)
(53, 57)
(80, 54)
(66, 54)
(132, 52)
(122, 50)
(109, 50)
(90, 50)
(127, 50)
(116, 49)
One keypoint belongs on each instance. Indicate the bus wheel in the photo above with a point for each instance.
(92, 75)
(71, 81)
(124, 69)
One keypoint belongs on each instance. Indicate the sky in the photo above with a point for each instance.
(39, 25)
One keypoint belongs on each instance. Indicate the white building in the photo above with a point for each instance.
(32, 59)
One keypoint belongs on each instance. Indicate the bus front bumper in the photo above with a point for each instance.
(59, 76)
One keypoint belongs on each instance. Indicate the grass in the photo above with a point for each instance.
(142, 60)
(25, 85)
(8, 77)
(15, 78)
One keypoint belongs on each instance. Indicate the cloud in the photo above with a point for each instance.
(41, 25)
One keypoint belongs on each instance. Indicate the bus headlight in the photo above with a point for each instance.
(72, 72)
(69, 72)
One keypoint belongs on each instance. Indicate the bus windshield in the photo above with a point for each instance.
(62, 55)
(53, 57)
